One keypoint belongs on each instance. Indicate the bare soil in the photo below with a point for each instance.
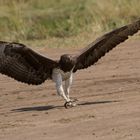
(108, 106)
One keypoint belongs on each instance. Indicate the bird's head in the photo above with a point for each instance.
(67, 62)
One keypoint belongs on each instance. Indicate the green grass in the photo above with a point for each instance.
(48, 21)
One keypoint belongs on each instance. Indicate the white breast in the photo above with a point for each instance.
(65, 75)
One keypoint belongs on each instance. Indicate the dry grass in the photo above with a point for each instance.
(60, 23)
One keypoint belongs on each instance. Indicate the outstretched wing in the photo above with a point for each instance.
(104, 44)
(24, 64)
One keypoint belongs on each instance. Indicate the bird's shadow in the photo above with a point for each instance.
(35, 108)
(50, 107)
(98, 102)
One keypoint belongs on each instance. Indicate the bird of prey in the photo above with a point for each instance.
(25, 65)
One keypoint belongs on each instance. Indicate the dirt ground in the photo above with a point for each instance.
(108, 106)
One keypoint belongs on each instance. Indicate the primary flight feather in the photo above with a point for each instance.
(28, 66)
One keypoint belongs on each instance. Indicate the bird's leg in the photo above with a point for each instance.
(57, 78)
(60, 91)
(68, 84)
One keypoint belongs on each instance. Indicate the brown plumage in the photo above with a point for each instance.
(104, 44)
(25, 65)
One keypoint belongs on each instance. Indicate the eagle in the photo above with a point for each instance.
(25, 65)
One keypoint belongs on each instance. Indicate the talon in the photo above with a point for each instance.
(69, 104)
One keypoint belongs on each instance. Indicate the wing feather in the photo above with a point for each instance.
(23, 64)
(97, 49)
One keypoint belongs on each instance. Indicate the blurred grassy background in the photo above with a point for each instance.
(60, 23)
